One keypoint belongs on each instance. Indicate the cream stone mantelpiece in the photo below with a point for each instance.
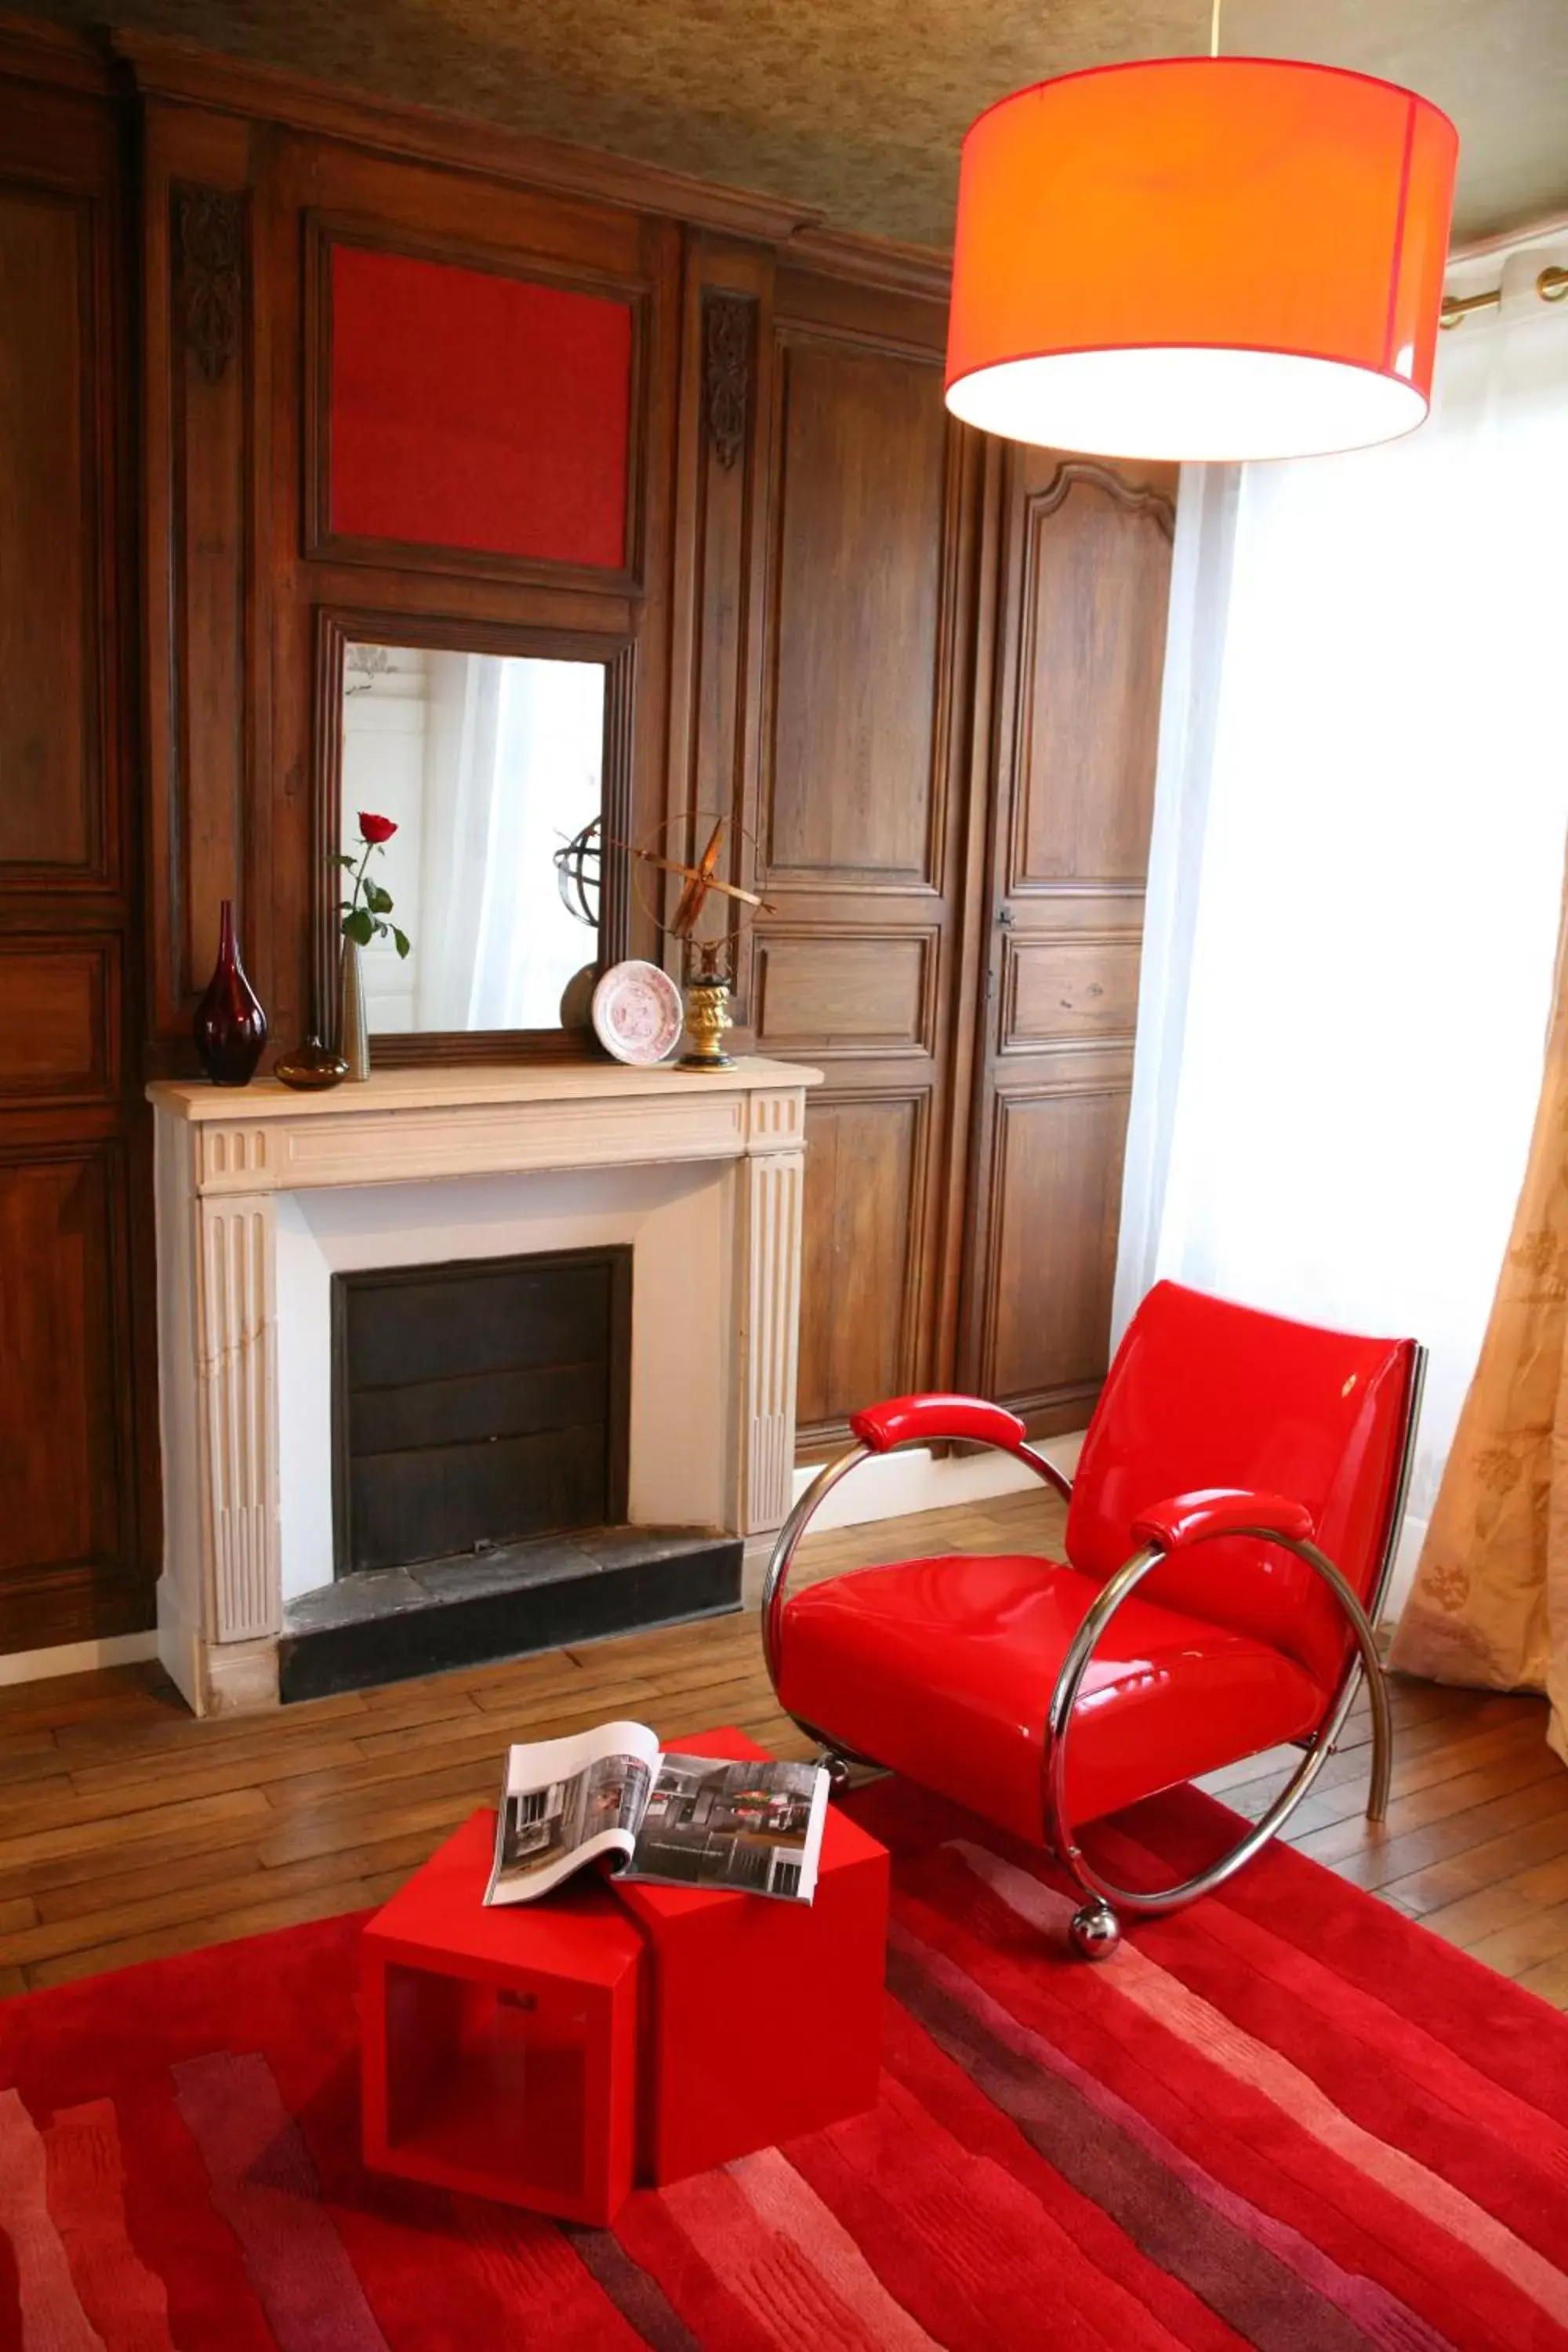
(705, 1172)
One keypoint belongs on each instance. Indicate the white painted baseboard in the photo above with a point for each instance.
(77, 1658)
(893, 1485)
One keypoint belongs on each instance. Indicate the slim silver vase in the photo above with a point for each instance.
(353, 1036)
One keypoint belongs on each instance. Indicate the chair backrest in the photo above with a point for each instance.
(1207, 1393)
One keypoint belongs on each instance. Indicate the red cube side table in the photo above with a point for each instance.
(762, 2020)
(501, 2045)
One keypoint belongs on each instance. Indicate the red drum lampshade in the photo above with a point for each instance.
(1201, 258)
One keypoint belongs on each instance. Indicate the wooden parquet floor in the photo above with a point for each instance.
(128, 1829)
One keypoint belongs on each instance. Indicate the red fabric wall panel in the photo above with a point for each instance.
(470, 410)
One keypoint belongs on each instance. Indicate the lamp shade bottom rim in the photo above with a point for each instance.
(1191, 403)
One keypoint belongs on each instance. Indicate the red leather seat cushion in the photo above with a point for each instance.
(943, 1670)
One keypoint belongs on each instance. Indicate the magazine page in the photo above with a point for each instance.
(753, 1826)
(566, 1800)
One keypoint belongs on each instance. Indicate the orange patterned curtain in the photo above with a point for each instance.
(1490, 1602)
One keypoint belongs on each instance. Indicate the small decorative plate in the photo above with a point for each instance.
(637, 1015)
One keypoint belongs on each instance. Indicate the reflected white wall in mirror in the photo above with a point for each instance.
(486, 764)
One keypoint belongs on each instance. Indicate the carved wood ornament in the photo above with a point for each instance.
(1137, 497)
(727, 372)
(209, 229)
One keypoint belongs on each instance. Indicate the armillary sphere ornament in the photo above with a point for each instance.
(707, 920)
(580, 874)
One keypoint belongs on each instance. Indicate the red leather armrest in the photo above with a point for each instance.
(914, 1420)
(1220, 1510)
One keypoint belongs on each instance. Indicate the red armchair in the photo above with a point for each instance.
(1230, 1534)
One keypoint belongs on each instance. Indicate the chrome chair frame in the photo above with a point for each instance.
(1096, 1928)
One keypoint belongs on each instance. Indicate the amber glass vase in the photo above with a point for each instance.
(230, 1026)
(311, 1067)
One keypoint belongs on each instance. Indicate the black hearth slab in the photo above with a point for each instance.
(352, 1600)
(664, 1581)
(628, 1547)
(510, 1568)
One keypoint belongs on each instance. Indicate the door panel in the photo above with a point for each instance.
(1058, 1180)
(1055, 990)
(1091, 652)
(1082, 632)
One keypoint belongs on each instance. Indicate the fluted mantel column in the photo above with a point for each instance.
(767, 1281)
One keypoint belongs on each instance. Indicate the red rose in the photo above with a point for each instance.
(375, 828)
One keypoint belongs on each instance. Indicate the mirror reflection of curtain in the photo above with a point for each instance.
(515, 756)
(459, 783)
(548, 754)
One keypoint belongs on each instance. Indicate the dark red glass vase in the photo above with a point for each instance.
(230, 1026)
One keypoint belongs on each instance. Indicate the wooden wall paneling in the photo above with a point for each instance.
(60, 1018)
(827, 995)
(1081, 630)
(53, 810)
(976, 676)
(862, 1282)
(77, 1419)
(471, 221)
(69, 1569)
(604, 263)
(719, 556)
(205, 716)
(853, 783)
(651, 713)
(873, 522)
(309, 185)
(1053, 1202)
(61, 812)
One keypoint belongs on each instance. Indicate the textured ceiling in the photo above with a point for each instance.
(855, 107)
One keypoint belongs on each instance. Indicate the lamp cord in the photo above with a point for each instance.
(1213, 28)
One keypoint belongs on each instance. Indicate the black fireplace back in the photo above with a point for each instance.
(477, 1403)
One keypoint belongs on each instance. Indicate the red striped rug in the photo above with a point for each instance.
(1287, 2117)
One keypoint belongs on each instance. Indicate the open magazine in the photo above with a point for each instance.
(680, 1820)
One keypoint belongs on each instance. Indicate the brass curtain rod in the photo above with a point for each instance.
(1551, 286)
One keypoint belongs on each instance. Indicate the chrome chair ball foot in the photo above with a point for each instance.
(1094, 1931)
(837, 1772)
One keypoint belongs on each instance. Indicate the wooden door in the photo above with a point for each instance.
(1086, 576)
(873, 503)
(75, 1387)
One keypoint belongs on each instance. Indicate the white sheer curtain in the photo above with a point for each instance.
(1357, 863)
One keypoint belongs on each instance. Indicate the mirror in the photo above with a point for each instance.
(486, 764)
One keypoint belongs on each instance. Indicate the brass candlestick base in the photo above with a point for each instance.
(707, 1018)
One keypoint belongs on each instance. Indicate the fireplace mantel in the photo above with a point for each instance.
(225, 1160)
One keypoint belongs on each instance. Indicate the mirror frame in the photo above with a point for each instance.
(336, 630)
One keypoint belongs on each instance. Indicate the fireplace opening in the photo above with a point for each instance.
(478, 1403)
